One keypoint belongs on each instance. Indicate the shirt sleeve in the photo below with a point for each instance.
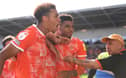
(82, 50)
(23, 40)
(106, 63)
(81, 55)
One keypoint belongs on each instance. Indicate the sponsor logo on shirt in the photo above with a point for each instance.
(22, 35)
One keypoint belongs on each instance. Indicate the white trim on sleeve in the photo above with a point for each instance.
(82, 55)
(22, 50)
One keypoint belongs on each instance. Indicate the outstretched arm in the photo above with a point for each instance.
(91, 64)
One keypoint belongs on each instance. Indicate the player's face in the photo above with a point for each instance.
(113, 46)
(53, 20)
(66, 29)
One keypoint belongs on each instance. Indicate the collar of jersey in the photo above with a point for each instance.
(38, 29)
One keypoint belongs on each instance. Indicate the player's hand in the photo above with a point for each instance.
(63, 40)
(68, 59)
(56, 39)
(53, 49)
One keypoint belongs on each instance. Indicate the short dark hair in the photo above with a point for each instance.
(43, 10)
(65, 17)
(7, 38)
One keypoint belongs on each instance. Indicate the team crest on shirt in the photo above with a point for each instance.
(22, 35)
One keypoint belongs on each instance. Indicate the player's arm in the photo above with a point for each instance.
(7, 52)
(56, 39)
(21, 42)
(53, 48)
(92, 64)
(81, 54)
(52, 39)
